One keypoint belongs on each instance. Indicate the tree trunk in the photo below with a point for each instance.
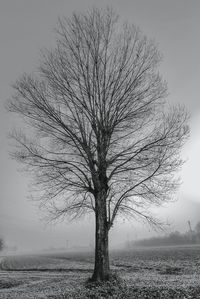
(101, 268)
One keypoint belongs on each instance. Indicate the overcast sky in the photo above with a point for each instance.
(26, 26)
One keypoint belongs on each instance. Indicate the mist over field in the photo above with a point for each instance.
(80, 235)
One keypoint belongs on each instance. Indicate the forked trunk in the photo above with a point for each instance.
(101, 268)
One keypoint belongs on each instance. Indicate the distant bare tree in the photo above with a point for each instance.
(104, 139)
(197, 228)
(1, 244)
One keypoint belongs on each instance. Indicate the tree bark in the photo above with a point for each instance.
(101, 268)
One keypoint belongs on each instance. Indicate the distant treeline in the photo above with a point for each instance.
(174, 238)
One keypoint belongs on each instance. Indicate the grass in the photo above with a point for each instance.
(172, 272)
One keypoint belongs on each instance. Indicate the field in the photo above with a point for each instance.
(171, 272)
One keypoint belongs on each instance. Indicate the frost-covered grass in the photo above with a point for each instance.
(172, 272)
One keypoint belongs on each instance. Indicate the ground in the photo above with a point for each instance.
(170, 272)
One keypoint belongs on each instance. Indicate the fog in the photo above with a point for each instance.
(25, 28)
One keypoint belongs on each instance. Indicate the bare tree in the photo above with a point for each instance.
(1, 244)
(197, 228)
(104, 139)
